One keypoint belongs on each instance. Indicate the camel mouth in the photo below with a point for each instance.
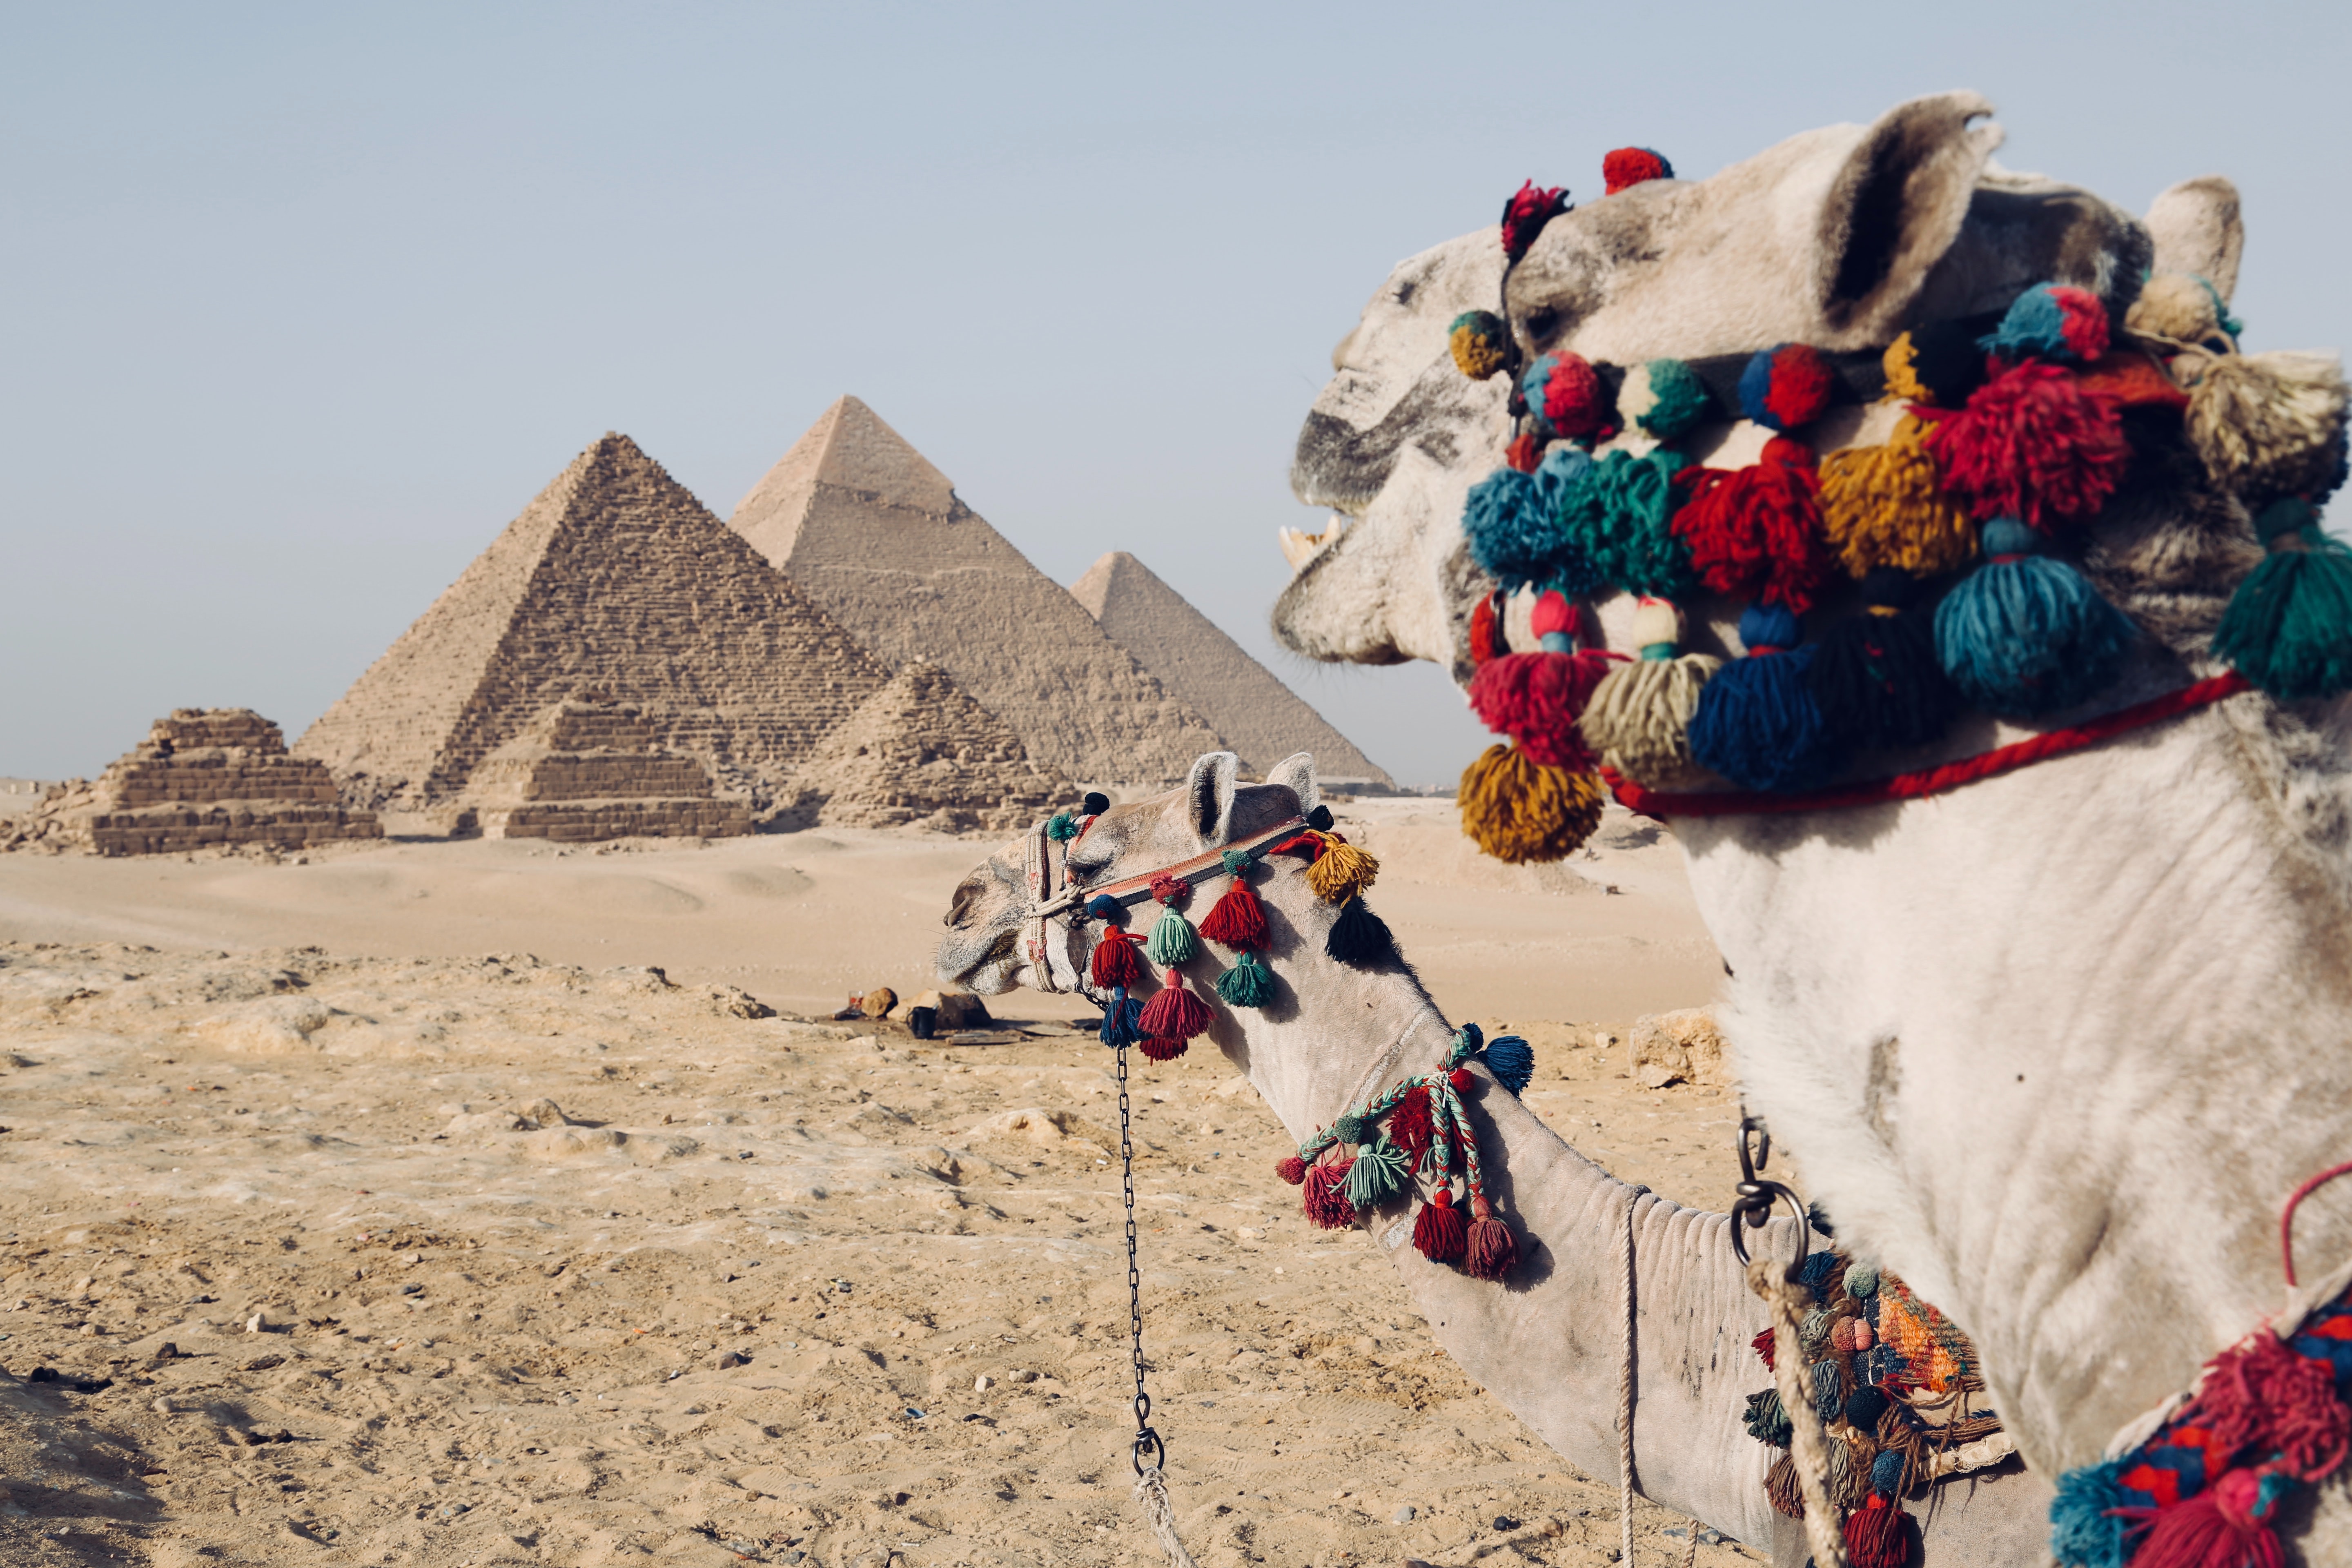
(1300, 547)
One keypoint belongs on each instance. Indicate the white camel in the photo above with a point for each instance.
(2054, 1046)
(1550, 1343)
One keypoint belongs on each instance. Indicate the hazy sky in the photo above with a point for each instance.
(303, 303)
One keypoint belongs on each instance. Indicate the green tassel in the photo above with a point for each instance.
(1249, 983)
(2288, 628)
(1377, 1174)
(1061, 827)
(1173, 940)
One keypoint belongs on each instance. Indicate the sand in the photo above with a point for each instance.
(562, 1260)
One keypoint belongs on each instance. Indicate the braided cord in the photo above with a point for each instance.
(1449, 1117)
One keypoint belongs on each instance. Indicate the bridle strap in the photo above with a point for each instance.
(1209, 863)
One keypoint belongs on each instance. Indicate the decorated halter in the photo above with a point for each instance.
(2012, 432)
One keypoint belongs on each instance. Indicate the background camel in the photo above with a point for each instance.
(1550, 1344)
(2054, 1046)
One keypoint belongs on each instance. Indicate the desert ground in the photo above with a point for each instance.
(485, 1202)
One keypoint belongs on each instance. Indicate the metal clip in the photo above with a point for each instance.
(1753, 1208)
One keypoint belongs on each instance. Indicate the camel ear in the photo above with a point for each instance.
(1209, 794)
(2197, 228)
(1296, 773)
(1894, 205)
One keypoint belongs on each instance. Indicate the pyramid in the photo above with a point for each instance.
(614, 586)
(1260, 718)
(877, 536)
(922, 754)
(587, 770)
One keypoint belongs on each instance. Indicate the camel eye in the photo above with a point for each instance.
(1084, 870)
(1404, 291)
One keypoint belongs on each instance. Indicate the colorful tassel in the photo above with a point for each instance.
(2227, 1525)
(1884, 506)
(1324, 1197)
(1493, 1251)
(2184, 309)
(2268, 424)
(1116, 962)
(1174, 1012)
(1755, 532)
(1875, 676)
(2051, 321)
(1512, 1061)
(1379, 1175)
(1638, 720)
(1618, 517)
(1626, 167)
(1359, 936)
(1756, 723)
(1162, 1050)
(1236, 919)
(1172, 940)
(1535, 699)
(1524, 215)
(1438, 1232)
(1567, 398)
(1487, 639)
(1122, 1020)
(2032, 443)
(2087, 1531)
(1061, 827)
(1788, 387)
(1342, 871)
(1291, 1169)
(1768, 1420)
(2288, 628)
(2024, 634)
(1249, 983)
(1938, 364)
(1481, 344)
(1409, 1124)
(1664, 398)
(1519, 811)
(2260, 1396)
(1874, 1536)
(1512, 521)
(1782, 1490)
(1762, 1345)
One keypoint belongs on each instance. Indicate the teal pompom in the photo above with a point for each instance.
(1512, 1061)
(1861, 1280)
(1664, 398)
(1172, 941)
(1378, 1175)
(1349, 1128)
(1249, 983)
(1618, 515)
(1061, 827)
(2288, 627)
(1236, 862)
(2085, 1528)
(2024, 634)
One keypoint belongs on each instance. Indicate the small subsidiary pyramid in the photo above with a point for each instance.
(616, 586)
(921, 753)
(877, 536)
(1261, 718)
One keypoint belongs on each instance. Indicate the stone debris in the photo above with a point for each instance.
(1260, 718)
(213, 779)
(921, 753)
(878, 537)
(613, 584)
(1682, 1046)
(586, 770)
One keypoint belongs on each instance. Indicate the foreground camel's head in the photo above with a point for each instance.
(1840, 237)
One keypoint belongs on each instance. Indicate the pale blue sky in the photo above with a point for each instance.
(303, 303)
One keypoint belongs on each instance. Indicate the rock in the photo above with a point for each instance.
(726, 1359)
(544, 1112)
(1031, 1123)
(906, 1004)
(258, 1323)
(962, 1010)
(878, 1003)
(1402, 1515)
(1679, 1047)
(473, 1123)
(980, 1384)
(731, 1001)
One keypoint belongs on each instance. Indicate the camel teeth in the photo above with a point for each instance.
(1298, 548)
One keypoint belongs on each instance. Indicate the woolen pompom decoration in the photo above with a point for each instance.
(1884, 506)
(1520, 811)
(2032, 443)
(1410, 1125)
(1788, 387)
(2024, 634)
(1513, 524)
(1481, 343)
(1485, 629)
(2268, 424)
(1174, 1012)
(1938, 364)
(1524, 215)
(2087, 1529)
(1566, 398)
(1157, 1049)
(1757, 722)
(1438, 1232)
(2051, 321)
(1249, 983)
(1061, 827)
(1512, 1061)
(1323, 1196)
(1524, 451)
(1291, 1169)
(1236, 919)
(1341, 871)
(2184, 310)
(1379, 1175)
(1875, 1535)
(1491, 1251)
(1664, 398)
(1618, 518)
(1358, 936)
(1875, 676)
(1122, 1020)
(1639, 719)
(2288, 627)
(1535, 699)
(1755, 532)
(1116, 961)
(1628, 166)
(1172, 940)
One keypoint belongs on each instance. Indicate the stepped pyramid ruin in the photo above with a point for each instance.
(205, 778)
(1263, 719)
(922, 754)
(616, 583)
(586, 771)
(877, 536)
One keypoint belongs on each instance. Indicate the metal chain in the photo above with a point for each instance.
(1147, 1441)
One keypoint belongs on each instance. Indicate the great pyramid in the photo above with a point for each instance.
(877, 536)
(1260, 718)
(614, 586)
(921, 753)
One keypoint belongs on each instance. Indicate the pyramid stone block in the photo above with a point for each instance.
(1262, 718)
(877, 536)
(588, 771)
(616, 583)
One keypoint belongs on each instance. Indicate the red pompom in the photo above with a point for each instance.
(1461, 1079)
(1535, 699)
(1492, 1251)
(1483, 642)
(1874, 1536)
(1169, 890)
(1525, 453)
(1628, 166)
(1116, 961)
(1409, 1124)
(1175, 1013)
(2218, 1527)
(1160, 1050)
(1524, 215)
(2032, 443)
(1762, 1345)
(1236, 920)
(1438, 1232)
(1574, 403)
(1324, 1201)
(1291, 1169)
(1756, 532)
(2260, 1397)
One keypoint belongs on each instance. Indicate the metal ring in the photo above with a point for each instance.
(1147, 1441)
(1753, 1209)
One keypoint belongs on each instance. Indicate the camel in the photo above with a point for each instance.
(1549, 1343)
(2054, 1046)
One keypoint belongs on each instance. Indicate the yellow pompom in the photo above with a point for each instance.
(1902, 379)
(1341, 871)
(1520, 811)
(1884, 506)
(1480, 343)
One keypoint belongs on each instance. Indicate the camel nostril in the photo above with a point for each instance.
(959, 909)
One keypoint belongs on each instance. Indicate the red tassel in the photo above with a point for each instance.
(1160, 1050)
(1526, 452)
(2262, 1397)
(1236, 919)
(1756, 532)
(1116, 961)
(2215, 1528)
(1438, 1232)
(1483, 641)
(1324, 1200)
(2033, 444)
(1409, 1124)
(1874, 1537)
(1175, 1013)
(1535, 699)
(1291, 1169)
(1762, 1345)
(1493, 1251)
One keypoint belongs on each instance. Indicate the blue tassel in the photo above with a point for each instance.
(2024, 634)
(2083, 1531)
(1512, 1061)
(1121, 1023)
(1513, 523)
(1757, 722)
(1887, 1473)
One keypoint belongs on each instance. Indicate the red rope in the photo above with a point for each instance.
(2286, 1216)
(1936, 780)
